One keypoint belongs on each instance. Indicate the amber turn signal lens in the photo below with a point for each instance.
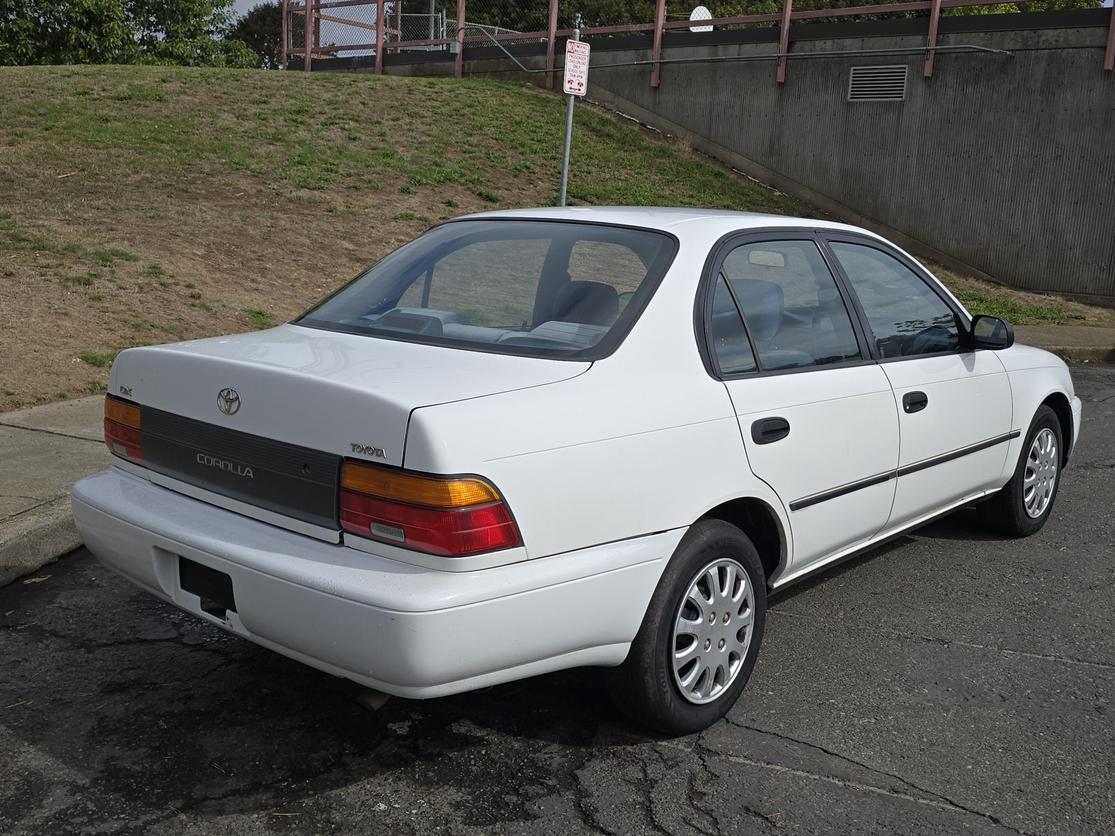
(122, 412)
(429, 491)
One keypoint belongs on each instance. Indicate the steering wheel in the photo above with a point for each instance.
(933, 338)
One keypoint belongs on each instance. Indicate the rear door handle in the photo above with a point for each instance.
(914, 402)
(766, 430)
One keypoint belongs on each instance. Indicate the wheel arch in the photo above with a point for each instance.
(1059, 403)
(759, 521)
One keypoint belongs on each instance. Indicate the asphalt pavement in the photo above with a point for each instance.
(950, 682)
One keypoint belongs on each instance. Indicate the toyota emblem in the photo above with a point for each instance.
(228, 401)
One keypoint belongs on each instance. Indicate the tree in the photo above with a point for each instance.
(261, 29)
(119, 32)
(65, 32)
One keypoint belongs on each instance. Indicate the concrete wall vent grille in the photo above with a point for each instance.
(877, 84)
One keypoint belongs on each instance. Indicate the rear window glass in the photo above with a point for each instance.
(538, 288)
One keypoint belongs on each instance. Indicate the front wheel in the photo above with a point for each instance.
(1025, 502)
(700, 637)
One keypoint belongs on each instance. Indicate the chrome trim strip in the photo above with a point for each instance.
(956, 454)
(870, 481)
(880, 478)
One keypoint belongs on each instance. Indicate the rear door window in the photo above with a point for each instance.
(794, 312)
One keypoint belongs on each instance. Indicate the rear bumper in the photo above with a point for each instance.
(393, 626)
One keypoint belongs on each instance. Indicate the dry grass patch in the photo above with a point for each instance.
(143, 205)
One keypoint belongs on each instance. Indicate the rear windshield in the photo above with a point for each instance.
(537, 288)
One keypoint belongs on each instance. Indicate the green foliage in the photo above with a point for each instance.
(65, 32)
(201, 51)
(261, 29)
(1014, 310)
(260, 318)
(99, 361)
(119, 32)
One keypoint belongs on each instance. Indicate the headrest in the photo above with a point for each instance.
(763, 304)
(587, 303)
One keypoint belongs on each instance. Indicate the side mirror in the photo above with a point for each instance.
(991, 332)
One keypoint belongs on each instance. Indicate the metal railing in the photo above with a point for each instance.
(341, 28)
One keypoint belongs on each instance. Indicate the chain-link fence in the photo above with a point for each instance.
(350, 28)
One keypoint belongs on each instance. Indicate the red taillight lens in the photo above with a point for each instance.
(460, 516)
(122, 429)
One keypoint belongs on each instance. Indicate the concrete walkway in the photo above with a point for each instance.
(1080, 343)
(44, 450)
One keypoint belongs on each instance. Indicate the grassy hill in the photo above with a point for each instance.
(150, 204)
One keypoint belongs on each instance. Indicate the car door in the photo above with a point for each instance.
(817, 415)
(954, 404)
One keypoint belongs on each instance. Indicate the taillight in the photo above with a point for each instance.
(452, 517)
(122, 429)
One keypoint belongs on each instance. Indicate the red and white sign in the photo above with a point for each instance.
(576, 67)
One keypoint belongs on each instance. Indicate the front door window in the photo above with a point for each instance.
(906, 316)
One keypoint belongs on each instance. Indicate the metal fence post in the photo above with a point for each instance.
(550, 45)
(379, 37)
(459, 64)
(317, 26)
(1109, 56)
(784, 39)
(934, 20)
(307, 60)
(659, 20)
(286, 33)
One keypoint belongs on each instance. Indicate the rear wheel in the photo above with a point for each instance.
(1025, 502)
(700, 636)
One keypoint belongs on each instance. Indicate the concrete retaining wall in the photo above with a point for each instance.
(1004, 164)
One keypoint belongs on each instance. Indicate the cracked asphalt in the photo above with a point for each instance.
(949, 682)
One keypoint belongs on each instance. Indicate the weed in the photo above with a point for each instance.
(100, 361)
(106, 258)
(82, 280)
(259, 318)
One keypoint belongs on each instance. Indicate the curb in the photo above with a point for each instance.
(1079, 354)
(36, 538)
(1072, 343)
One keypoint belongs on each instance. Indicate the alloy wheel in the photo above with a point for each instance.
(712, 630)
(1040, 475)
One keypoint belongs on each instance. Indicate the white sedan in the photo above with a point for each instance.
(540, 439)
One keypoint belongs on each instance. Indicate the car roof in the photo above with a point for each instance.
(721, 221)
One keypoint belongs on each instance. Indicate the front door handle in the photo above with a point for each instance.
(766, 430)
(914, 402)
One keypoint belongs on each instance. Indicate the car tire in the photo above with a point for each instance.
(1016, 511)
(648, 686)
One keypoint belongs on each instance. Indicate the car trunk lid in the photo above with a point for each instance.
(265, 418)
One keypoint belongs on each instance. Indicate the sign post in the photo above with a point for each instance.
(575, 84)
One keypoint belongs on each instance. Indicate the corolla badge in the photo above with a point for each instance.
(228, 401)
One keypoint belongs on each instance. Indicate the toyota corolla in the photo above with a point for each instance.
(541, 439)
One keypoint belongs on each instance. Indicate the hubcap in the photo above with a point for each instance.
(1040, 476)
(712, 630)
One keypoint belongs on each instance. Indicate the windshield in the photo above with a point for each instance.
(538, 288)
